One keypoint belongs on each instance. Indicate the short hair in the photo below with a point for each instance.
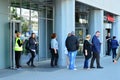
(73, 33)
(53, 35)
(69, 34)
(97, 31)
(18, 33)
(114, 37)
(88, 36)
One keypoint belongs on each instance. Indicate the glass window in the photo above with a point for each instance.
(25, 19)
(34, 20)
(42, 12)
(15, 10)
(50, 12)
(49, 32)
(29, 12)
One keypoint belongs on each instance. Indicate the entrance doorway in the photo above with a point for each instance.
(13, 27)
(80, 33)
(46, 28)
(35, 17)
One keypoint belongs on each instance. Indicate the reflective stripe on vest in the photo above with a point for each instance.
(17, 48)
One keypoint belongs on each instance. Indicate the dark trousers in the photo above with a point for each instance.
(17, 58)
(108, 49)
(54, 58)
(114, 53)
(31, 60)
(86, 62)
(97, 57)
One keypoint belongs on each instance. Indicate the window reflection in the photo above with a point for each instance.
(33, 14)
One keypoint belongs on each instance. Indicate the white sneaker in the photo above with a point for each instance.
(75, 69)
(67, 67)
(19, 68)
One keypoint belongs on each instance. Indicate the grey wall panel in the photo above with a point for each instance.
(107, 5)
(4, 32)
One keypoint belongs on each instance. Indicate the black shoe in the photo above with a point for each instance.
(52, 66)
(92, 67)
(33, 66)
(20, 66)
(100, 67)
(56, 66)
(28, 63)
(113, 60)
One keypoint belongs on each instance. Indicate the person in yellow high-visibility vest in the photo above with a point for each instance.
(18, 49)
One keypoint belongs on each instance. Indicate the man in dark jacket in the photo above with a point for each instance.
(72, 45)
(96, 47)
(108, 38)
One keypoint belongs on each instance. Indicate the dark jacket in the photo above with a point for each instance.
(96, 45)
(72, 43)
(32, 44)
(114, 43)
(87, 46)
(109, 39)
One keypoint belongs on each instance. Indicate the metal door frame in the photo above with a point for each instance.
(12, 42)
(46, 32)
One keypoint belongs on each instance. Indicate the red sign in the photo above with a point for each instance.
(110, 18)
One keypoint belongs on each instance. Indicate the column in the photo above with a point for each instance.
(64, 23)
(116, 28)
(4, 31)
(96, 23)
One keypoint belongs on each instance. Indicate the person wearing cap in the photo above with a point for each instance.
(72, 46)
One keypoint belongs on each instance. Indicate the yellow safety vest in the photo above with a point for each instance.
(17, 48)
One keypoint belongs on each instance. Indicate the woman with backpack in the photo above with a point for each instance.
(32, 48)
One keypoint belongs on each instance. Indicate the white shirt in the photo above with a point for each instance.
(54, 44)
(65, 50)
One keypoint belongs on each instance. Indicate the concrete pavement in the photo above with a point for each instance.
(110, 71)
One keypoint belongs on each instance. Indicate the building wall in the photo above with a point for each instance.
(107, 5)
(66, 23)
(4, 34)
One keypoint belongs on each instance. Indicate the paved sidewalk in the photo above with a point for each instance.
(111, 71)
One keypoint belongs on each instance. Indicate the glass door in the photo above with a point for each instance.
(45, 30)
(80, 33)
(13, 27)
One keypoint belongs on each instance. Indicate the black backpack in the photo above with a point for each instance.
(27, 45)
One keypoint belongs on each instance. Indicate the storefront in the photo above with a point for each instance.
(81, 23)
(34, 17)
(43, 17)
(109, 20)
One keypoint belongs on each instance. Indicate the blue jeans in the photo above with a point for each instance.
(72, 56)
(86, 63)
(114, 53)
